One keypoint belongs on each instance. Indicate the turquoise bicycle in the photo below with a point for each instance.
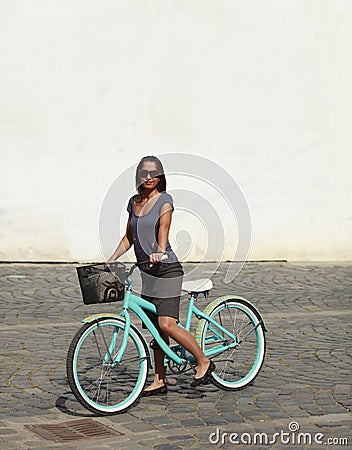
(108, 359)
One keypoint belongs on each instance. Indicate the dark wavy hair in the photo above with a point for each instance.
(161, 186)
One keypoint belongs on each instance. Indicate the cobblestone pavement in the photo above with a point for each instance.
(305, 378)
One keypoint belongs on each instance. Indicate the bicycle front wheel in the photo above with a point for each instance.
(98, 383)
(239, 360)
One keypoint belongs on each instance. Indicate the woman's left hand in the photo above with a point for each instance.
(155, 258)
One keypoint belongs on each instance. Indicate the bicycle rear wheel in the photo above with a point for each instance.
(237, 366)
(98, 383)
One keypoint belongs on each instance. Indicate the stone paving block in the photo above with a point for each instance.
(232, 417)
(167, 427)
(6, 431)
(120, 419)
(190, 423)
(170, 446)
(213, 420)
(139, 427)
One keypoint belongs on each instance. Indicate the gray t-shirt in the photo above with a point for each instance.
(145, 231)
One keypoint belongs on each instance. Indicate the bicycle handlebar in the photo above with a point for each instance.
(136, 264)
(130, 272)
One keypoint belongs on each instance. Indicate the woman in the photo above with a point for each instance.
(150, 214)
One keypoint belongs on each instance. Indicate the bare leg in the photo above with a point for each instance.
(186, 339)
(160, 369)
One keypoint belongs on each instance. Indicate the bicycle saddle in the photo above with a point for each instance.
(201, 286)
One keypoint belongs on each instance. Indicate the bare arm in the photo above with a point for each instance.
(124, 245)
(163, 233)
(164, 226)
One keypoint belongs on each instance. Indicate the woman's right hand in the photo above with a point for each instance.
(109, 261)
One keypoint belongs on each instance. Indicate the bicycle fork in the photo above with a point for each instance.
(109, 357)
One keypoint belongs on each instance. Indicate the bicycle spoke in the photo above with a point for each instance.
(97, 344)
(98, 382)
(237, 362)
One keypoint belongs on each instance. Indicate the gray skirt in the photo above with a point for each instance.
(161, 285)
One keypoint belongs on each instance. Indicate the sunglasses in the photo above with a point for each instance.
(153, 173)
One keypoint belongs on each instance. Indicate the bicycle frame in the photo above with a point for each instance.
(136, 304)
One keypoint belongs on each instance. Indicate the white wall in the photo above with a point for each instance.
(262, 88)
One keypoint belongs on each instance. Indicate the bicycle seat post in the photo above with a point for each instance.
(191, 301)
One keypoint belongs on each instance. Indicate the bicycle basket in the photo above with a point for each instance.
(102, 285)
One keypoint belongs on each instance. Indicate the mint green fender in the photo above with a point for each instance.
(96, 317)
(216, 302)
